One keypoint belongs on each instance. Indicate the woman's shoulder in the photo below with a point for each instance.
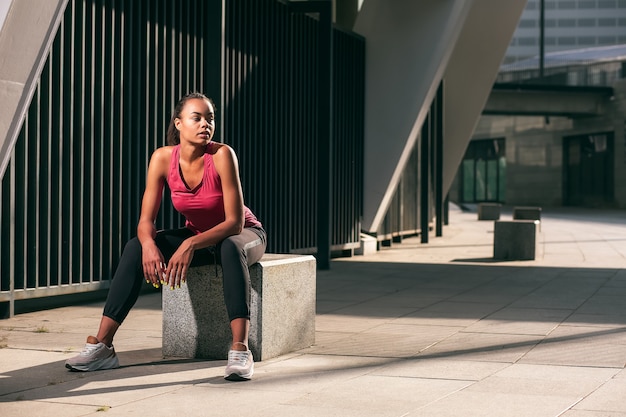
(220, 150)
(162, 157)
(163, 153)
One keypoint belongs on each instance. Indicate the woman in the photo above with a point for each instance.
(203, 177)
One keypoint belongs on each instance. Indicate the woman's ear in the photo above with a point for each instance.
(177, 123)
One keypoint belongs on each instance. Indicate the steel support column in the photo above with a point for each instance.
(425, 176)
(438, 143)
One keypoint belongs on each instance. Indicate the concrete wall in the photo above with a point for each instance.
(4, 9)
(25, 39)
(471, 72)
(412, 46)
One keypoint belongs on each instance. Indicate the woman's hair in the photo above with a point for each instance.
(173, 137)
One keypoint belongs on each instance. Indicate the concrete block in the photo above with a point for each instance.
(369, 245)
(489, 211)
(282, 308)
(527, 213)
(516, 240)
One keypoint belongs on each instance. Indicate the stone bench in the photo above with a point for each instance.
(489, 211)
(282, 309)
(527, 213)
(516, 240)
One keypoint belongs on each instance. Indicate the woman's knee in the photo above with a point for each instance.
(132, 247)
(230, 248)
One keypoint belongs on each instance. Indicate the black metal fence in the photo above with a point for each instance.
(71, 193)
(418, 203)
(272, 117)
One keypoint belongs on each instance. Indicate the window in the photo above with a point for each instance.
(527, 41)
(586, 4)
(567, 23)
(606, 40)
(527, 23)
(607, 4)
(550, 23)
(587, 22)
(607, 21)
(567, 40)
(587, 40)
(567, 4)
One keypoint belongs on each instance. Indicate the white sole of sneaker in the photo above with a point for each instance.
(107, 364)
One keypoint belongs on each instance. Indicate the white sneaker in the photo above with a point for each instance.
(240, 365)
(95, 356)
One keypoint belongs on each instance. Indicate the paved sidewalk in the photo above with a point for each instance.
(413, 330)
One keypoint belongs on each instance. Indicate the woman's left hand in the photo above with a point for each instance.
(176, 271)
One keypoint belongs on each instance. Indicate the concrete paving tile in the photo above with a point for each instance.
(620, 374)
(219, 399)
(369, 309)
(309, 373)
(440, 369)
(124, 385)
(580, 346)
(561, 301)
(483, 346)
(557, 373)
(327, 338)
(489, 404)
(584, 413)
(44, 341)
(22, 370)
(378, 395)
(346, 323)
(458, 314)
(386, 341)
(609, 397)
(328, 306)
(604, 304)
(21, 408)
(597, 320)
(572, 389)
(520, 321)
(300, 363)
(314, 411)
(406, 299)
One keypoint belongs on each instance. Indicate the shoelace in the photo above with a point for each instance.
(238, 357)
(88, 349)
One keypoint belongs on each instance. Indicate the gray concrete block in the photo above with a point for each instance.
(282, 308)
(516, 240)
(527, 213)
(489, 211)
(369, 245)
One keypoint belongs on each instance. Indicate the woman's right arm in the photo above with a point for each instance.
(152, 258)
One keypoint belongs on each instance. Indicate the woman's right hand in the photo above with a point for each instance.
(153, 264)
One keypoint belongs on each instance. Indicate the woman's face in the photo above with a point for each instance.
(196, 123)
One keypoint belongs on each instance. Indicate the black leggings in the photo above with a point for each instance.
(235, 254)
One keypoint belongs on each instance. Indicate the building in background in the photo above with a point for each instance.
(553, 130)
(569, 24)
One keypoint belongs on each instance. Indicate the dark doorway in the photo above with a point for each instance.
(588, 166)
(483, 172)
